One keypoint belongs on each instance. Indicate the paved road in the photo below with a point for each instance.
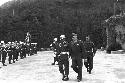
(108, 68)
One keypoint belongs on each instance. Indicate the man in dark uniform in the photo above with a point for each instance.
(90, 51)
(17, 51)
(24, 50)
(35, 48)
(55, 47)
(4, 54)
(9, 50)
(0, 53)
(64, 58)
(13, 52)
(21, 50)
(76, 53)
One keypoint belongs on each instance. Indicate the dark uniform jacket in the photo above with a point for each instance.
(89, 47)
(76, 49)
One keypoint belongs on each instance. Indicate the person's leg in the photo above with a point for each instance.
(66, 66)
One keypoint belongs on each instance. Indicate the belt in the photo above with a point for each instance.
(64, 52)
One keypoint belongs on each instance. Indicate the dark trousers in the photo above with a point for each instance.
(64, 66)
(16, 55)
(24, 54)
(77, 66)
(0, 56)
(4, 57)
(89, 63)
(56, 59)
(10, 57)
(21, 54)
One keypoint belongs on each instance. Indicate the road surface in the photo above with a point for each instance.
(108, 68)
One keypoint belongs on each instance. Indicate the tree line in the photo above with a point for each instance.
(46, 19)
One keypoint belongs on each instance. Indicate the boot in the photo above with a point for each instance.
(89, 72)
(79, 80)
(53, 63)
(13, 61)
(66, 78)
(10, 63)
(4, 65)
(63, 76)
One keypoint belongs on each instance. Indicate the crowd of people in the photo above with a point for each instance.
(77, 50)
(15, 50)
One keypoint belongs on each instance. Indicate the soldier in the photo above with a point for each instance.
(4, 53)
(21, 50)
(24, 50)
(89, 52)
(76, 53)
(64, 58)
(9, 50)
(0, 53)
(17, 51)
(55, 47)
(13, 52)
(28, 49)
(35, 48)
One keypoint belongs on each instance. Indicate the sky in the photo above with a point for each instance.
(4, 1)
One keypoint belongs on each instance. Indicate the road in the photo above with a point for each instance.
(108, 68)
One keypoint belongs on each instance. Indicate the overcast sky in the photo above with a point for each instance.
(3, 1)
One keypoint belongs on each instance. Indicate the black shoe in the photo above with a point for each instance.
(66, 78)
(89, 72)
(10, 63)
(4, 65)
(53, 63)
(13, 61)
(63, 77)
(79, 80)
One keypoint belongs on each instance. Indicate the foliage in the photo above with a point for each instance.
(50, 18)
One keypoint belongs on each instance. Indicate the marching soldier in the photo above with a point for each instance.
(55, 47)
(13, 52)
(35, 48)
(4, 53)
(63, 58)
(76, 53)
(9, 50)
(0, 52)
(89, 52)
(23, 50)
(17, 51)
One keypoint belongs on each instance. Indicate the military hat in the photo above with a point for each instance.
(9, 42)
(55, 39)
(62, 36)
(2, 41)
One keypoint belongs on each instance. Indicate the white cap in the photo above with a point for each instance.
(55, 39)
(9, 42)
(2, 41)
(62, 36)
